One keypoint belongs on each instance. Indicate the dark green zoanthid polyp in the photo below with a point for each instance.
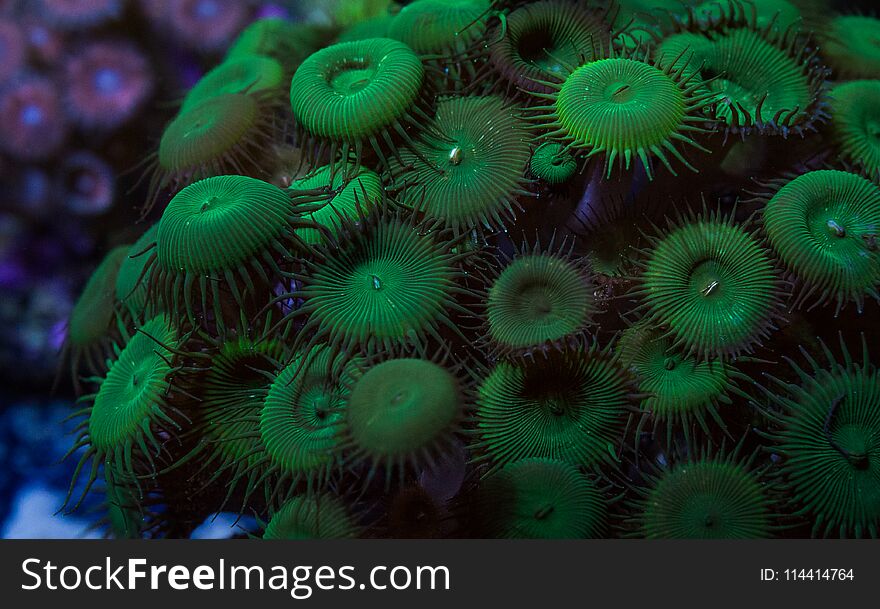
(823, 225)
(248, 75)
(541, 298)
(539, 39)
(320, 516)
(440, 27)
(681, 391)
(764, 78)
(222, 133)
(855, 117)
(712, 285)
(386, 280)
(404, 412)
(851, 46)
(571, 406)
(826, 428)
(126, 419)
(552, 163)
(538, 499)
(226, 429)
(356, 95)
(625, 109)
(300, 423)
(498, 268)
(469, 170)
(706, 496)
(224, 239)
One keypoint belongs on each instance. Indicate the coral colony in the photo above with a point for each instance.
(493, 269)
